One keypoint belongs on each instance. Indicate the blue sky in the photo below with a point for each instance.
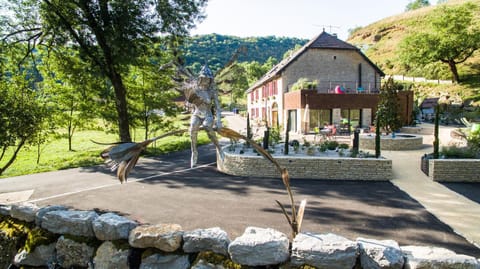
(294, 18)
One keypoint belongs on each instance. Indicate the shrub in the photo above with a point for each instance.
(454, 152)
(322, 147)
(331, 145)
(304, 83)
(343, 146)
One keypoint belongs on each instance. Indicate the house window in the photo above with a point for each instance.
(252, 112)
(350, 119)
(320, 117)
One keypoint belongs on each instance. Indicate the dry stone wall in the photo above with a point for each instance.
(454, 170)
(341, 168)
(86, 239)
(389, 143)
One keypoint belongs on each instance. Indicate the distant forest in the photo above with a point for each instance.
(217, 49)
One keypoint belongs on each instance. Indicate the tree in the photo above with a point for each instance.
(387, 109)
(21, 116)
(151, 95)
(255, 70)
(111, 34)
(452, 38)
(232, 80)
(72, 90)
(416, 4)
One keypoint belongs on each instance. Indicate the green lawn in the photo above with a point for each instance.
(55, 154)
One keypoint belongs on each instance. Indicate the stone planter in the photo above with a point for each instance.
(388, 142)
(454, 170)
(311, 167)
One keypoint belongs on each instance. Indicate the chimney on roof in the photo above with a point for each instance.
(335, 35)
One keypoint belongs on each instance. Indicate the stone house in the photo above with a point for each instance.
(344, 89)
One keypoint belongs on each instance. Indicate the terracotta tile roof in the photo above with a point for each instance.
(322, 41)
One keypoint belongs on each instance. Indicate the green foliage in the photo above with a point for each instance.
(255, 70)
(218, 259)
(304, 84)
(37, 237)
(26, 235)
(473, 138)
(343, 146)
(108, 36)
(151, 93)
(275, 136)
(217, 49)
(387, 110)
(454, 32)
(233, 81)
(57, 156)
(72, 91)
(331, 144)
(416, 4)
(11, 227)
(22, 113)
(454, 152)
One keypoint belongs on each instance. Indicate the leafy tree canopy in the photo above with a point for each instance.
(453, 36)
(416, 4)
(217, 50)
(109, 34)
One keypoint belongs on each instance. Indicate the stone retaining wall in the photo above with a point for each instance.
(86, 239)
(454, 170)
(332, 168)
(389, 143)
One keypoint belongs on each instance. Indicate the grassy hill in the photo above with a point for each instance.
(380, 42)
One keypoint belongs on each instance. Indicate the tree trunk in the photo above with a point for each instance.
(453, 69)
(146, 127)
(14, 156)
(121, 106)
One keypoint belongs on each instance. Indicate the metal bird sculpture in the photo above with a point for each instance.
(124, 156)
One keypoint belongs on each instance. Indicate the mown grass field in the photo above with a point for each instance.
(56, 156)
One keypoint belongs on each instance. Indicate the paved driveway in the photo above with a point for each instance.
(166, 190)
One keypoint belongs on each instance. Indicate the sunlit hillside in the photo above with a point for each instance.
(380, 42)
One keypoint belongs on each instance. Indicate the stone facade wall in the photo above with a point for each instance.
(454, 170)
(340, 168)
(85, 239)
(332, 65)
(389, 143)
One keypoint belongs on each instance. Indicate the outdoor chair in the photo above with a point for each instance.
(333, 132)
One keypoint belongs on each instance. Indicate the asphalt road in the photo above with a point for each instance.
(167, 190)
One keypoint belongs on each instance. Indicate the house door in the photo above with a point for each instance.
(293, 120)
(274, 115)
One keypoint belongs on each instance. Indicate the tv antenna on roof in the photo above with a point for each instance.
(329, 26)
